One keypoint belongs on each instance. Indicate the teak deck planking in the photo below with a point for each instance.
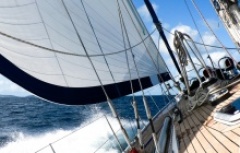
(199, 132)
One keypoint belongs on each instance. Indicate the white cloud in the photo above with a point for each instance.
(9, 88)
(215, 56)
(162, 47)
(209, 38)
(185, 29)
(182, 28)
(212, 23)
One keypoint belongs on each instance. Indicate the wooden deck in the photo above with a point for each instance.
(199, 132)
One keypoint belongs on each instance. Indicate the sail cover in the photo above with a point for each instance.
(60, 49)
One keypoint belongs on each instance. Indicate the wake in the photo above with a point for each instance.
(94, 136)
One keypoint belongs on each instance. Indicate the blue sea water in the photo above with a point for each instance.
(31, 121)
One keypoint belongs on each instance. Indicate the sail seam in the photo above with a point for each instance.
(99, 45)
(72, 54)
(147, 50)
(55, 54)
(20, 23)
(105, 21)
(111, 106)
(83, 21)
(17, 5)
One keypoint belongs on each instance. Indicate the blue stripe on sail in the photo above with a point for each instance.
(67, 95)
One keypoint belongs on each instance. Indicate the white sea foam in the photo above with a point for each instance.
(87, 140)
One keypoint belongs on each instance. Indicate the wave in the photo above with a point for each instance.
(93, 135)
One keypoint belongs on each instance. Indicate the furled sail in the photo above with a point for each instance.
(47, 47)
(229, 12)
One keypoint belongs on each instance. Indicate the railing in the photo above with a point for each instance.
(165, 135)
(99, 135)
(100, 132)
(171, 104)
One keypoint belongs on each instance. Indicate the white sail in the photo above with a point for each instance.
(51, 41)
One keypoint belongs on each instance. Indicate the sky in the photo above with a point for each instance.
(173, 15)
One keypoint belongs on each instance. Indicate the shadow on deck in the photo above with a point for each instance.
(199, 132)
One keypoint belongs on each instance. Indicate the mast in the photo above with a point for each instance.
(228, 12)
(161, 32)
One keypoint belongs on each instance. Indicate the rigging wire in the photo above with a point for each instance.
(62, 52)
(71, 133)
(195, 42)
(102, 18)
(80, 17)
(55, 55)
(99, 79)
(105, 59)
(113, 17)
(176, 83)
(168, 101)
(201, 61)
(26, 55)
(158, 48)
(183, 55)
(99, 45)
(209, 27)
(154, 101)
(147, 50)
(196, 26)
(76, 23)
(148, 112)
(77, 64)
(134, 102)
(53, 28)
(199, 43)
(83, 21)
(211, 61)
(159, 27)
(138, 76)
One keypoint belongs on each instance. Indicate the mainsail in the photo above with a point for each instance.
(47, 47)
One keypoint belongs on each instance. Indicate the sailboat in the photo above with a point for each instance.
(80, 52)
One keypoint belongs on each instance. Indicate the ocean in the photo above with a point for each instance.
(29, 125)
